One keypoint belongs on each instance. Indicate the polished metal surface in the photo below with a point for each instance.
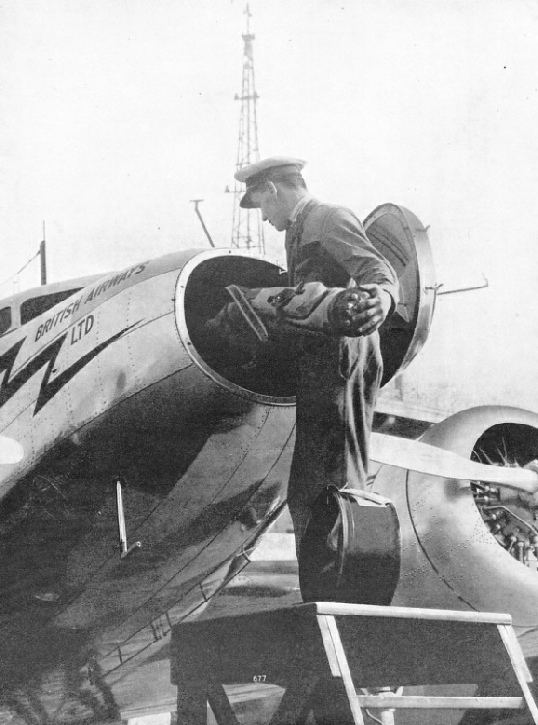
(451, 555)
(106, 388)
(402, 239)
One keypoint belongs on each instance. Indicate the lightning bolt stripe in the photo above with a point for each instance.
(47, 357)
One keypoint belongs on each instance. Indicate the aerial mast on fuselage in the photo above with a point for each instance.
(43, 258)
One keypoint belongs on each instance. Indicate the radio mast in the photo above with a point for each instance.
(247, 231)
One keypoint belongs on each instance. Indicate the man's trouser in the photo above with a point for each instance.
(338, 381)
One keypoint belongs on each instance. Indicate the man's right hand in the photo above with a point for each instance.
(349, 311)
(361, 310)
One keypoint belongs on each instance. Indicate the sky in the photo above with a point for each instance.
(114, 114)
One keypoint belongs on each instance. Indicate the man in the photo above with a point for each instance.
(338, 375)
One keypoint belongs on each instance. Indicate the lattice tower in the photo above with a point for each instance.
(247, 231)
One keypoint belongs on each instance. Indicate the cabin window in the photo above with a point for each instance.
(5, 320)
(37, 305)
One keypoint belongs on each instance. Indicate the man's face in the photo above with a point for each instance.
(272, 206)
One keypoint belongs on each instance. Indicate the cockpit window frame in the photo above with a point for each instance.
(35, 306)
(6, 313)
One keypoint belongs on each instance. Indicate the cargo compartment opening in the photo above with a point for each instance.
(266, 369)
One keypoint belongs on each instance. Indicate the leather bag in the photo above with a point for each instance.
(351, 549)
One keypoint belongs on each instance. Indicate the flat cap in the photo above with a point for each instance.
(275, 168)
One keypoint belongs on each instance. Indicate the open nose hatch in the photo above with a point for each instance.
(267, 371)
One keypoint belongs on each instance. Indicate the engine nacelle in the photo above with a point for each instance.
(465, 544)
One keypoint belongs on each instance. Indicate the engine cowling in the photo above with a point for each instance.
(465, 544)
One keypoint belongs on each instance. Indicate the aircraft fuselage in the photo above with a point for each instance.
(107, 389)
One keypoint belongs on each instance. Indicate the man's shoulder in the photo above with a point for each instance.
(320, 207)
(321, 215)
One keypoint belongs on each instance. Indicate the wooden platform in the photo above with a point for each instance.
(323, 652)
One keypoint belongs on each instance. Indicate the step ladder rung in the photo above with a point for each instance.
(332, 657)
(408, 702)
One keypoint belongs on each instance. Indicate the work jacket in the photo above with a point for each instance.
(327, 243)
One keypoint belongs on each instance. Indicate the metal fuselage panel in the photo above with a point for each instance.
(82, 358)
(105, 387)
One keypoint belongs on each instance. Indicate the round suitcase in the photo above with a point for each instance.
(350, 551)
